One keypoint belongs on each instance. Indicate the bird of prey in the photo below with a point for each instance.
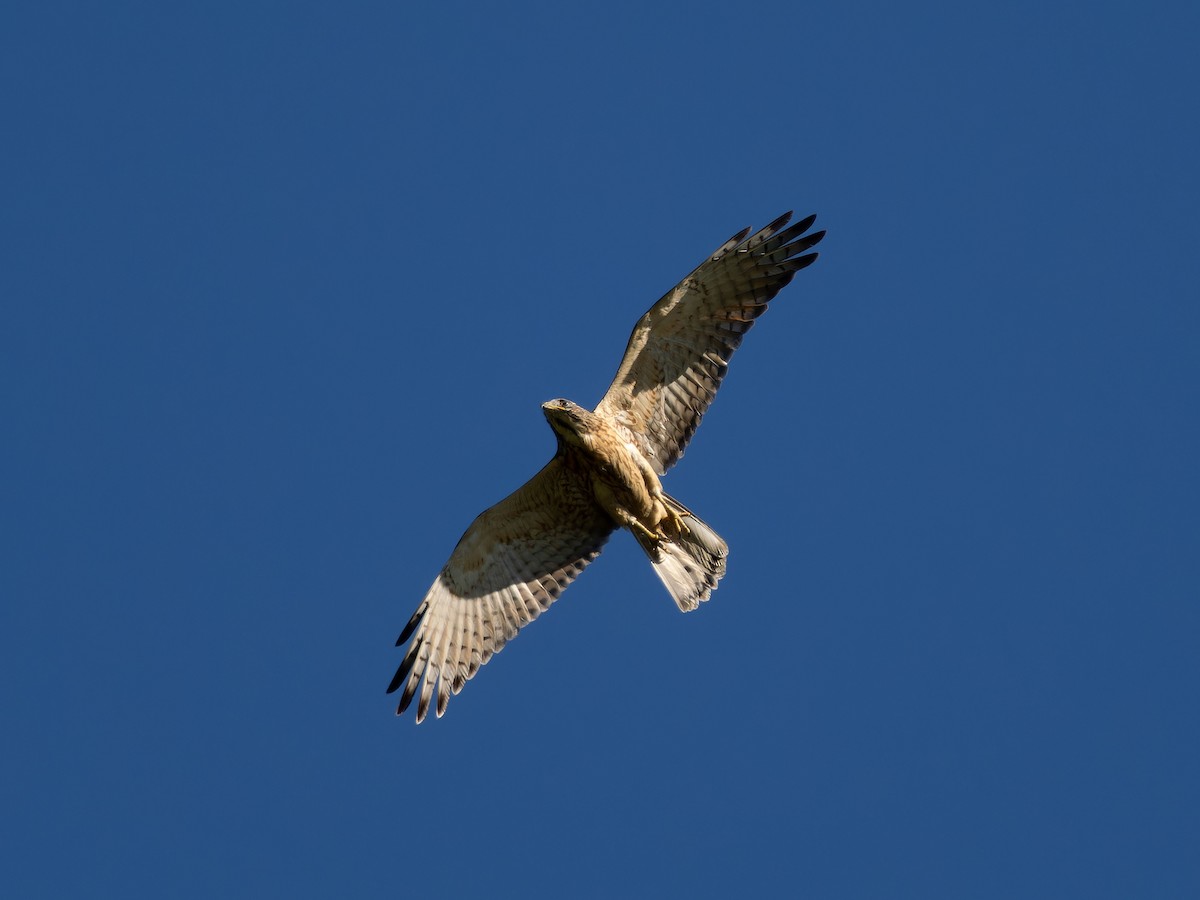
(517, 556)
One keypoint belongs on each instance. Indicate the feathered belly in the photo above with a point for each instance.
(624, 486)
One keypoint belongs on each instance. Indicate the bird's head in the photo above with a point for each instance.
(569, 420)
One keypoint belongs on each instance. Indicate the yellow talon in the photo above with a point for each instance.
(645, 532)
(673, 526)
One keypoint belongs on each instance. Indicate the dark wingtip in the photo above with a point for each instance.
(779, 222)
(412, 623)
(405, 699)
(739, 237)
(406, 666)
(803, 262)
(809, 240)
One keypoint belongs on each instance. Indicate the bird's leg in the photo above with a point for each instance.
(622, 516)
(670, 524)
(676, 524)
(637, 527)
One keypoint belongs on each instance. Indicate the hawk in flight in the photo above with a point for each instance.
(517, 557)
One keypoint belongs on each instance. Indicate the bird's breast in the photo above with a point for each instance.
(618, 466)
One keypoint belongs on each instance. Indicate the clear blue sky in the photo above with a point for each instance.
(283, 288)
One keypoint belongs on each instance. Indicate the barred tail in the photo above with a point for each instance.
(691, 564)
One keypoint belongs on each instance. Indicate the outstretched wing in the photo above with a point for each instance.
(677, 354)
(507, 569)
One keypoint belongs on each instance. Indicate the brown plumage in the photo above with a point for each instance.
(519, 555)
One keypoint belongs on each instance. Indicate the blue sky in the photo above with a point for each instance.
(284, 287)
